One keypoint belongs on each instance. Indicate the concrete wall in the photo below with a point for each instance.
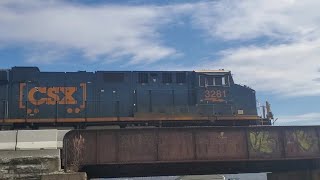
(33, 154)
(32, 139)
(8, 140)
(28, 164)
(37, 139)
(60, 136)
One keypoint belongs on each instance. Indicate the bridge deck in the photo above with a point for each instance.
(192, 150)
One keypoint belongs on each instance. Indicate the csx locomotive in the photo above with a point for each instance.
(33, 98)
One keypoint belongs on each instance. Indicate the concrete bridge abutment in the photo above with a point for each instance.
(33, 155)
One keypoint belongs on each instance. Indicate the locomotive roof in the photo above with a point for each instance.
(213, 71)
(36, 69)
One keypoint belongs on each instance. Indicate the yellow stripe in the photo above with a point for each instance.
(131, 119)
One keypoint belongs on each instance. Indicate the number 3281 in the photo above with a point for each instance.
(215, 93)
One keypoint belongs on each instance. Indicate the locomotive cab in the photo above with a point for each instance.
(213, 95)
(219, 97)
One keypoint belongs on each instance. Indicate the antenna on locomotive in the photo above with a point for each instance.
(269, 112)
(261, 109)
(266, 113)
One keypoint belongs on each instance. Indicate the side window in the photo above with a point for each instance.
(218, 81)
(225, 81)
(154, 77)
(202, 81)
(143, 78)
(3, 76)
(113, 77)
(210, 81)
(166, 78)
(205, 81)
(181, 77)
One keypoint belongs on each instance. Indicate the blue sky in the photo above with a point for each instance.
(272, 46)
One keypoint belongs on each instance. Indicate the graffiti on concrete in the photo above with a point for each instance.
(262, 142)
(303, 140)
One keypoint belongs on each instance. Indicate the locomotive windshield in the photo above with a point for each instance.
(213, 80)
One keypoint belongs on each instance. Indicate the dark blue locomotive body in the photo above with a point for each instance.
(31, 97)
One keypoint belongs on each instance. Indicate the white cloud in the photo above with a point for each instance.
(114, 31)
(286, 62)
(246, 19)
(287, 69)
(303, 119)
(109, 32)
(45, 55)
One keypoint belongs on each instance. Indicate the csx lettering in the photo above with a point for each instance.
(51, 95)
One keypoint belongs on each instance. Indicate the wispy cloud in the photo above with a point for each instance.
(281, 19)
(286, 69)
(303, 119)
(112, 30)
(45, 56)
(286, 61)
